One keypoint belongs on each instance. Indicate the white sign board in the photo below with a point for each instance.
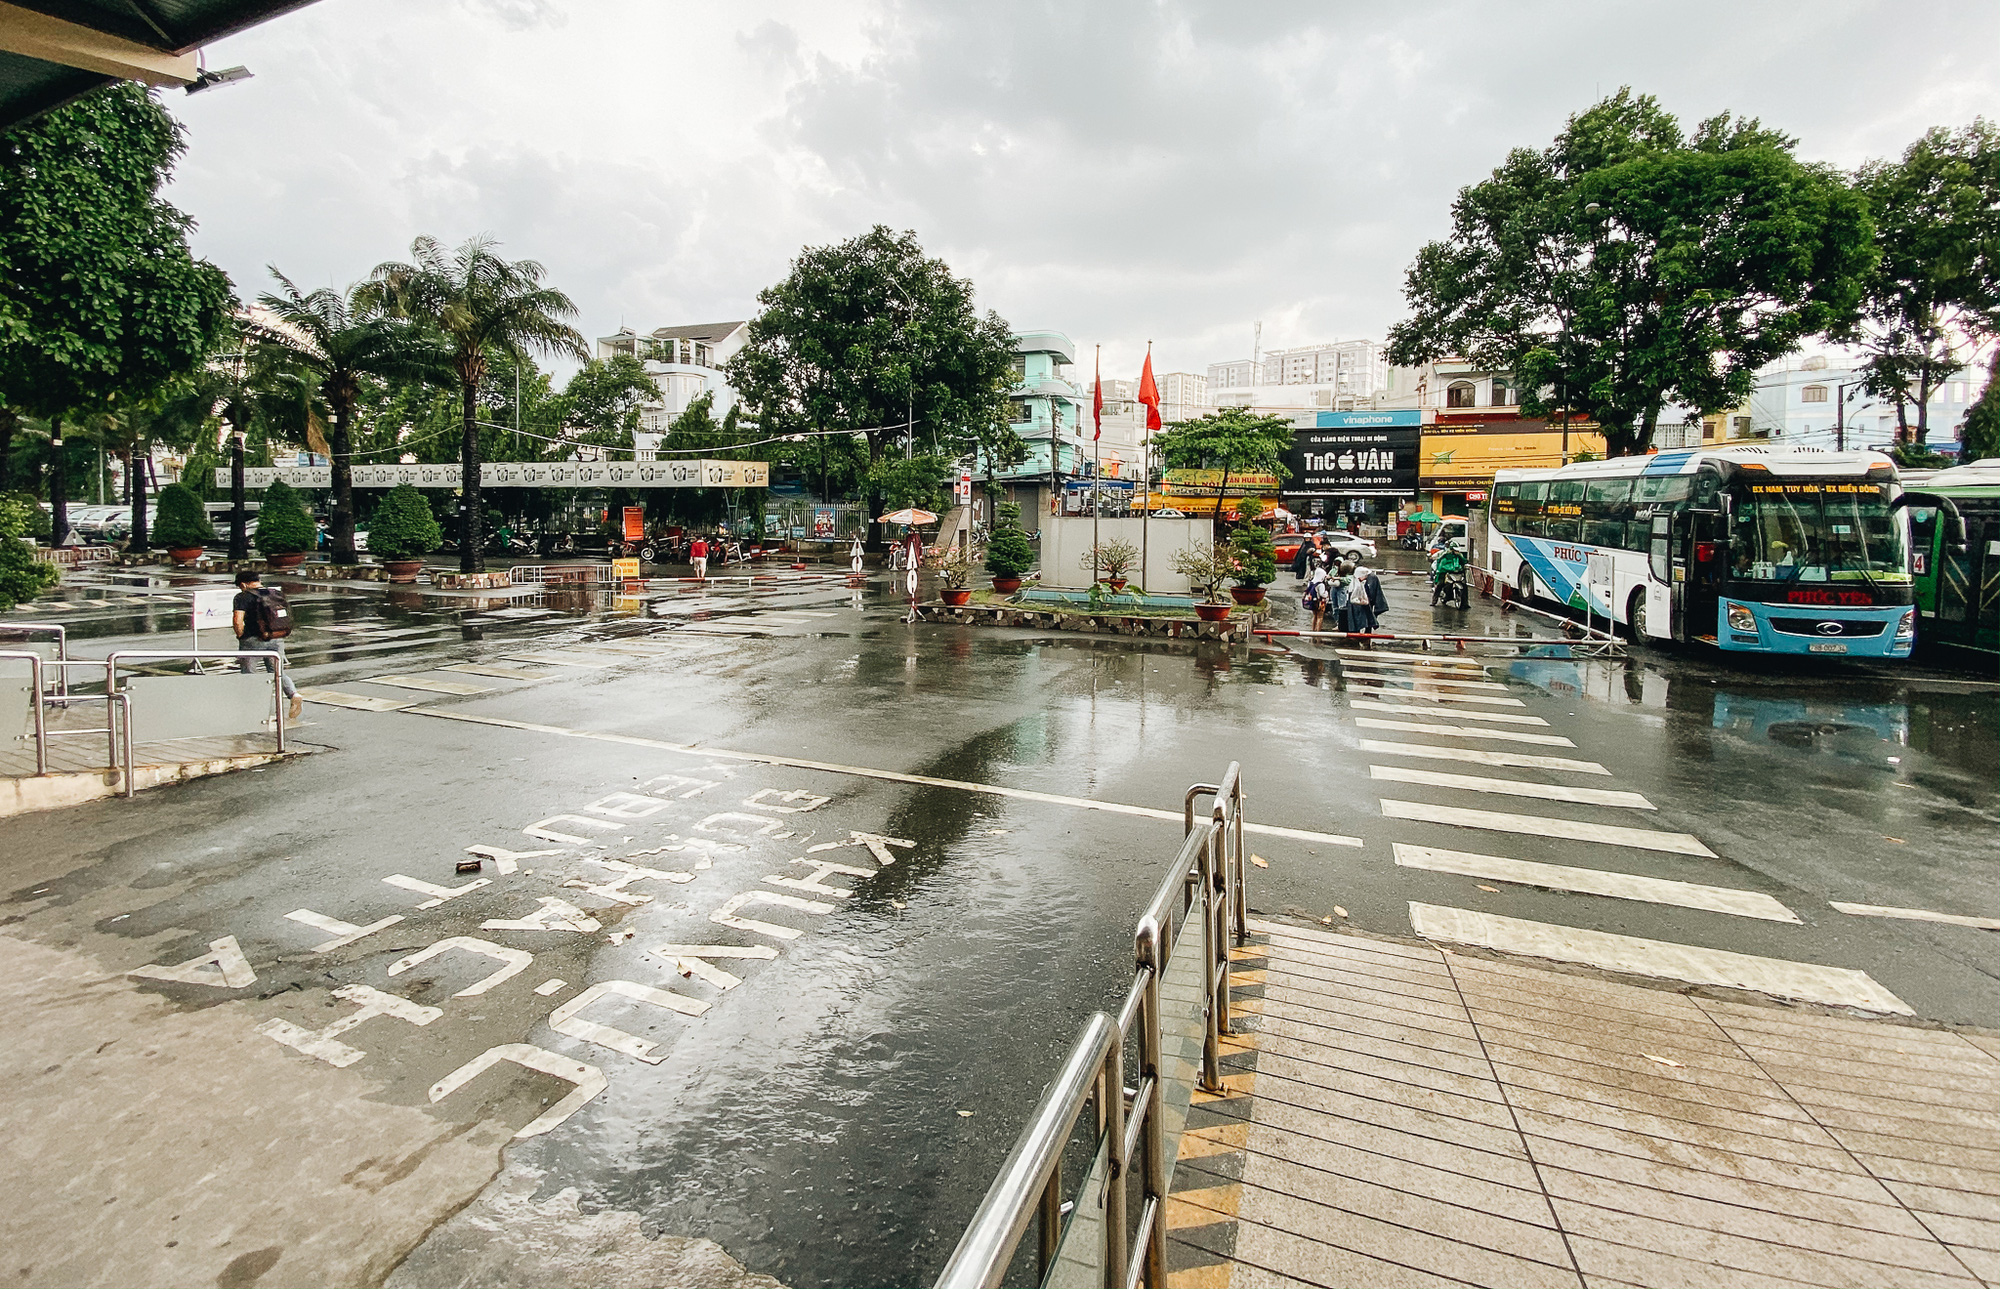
(526, 474)
(298, 476)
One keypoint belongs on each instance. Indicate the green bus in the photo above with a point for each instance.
(1955, 555)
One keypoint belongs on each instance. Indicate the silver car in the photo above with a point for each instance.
(1347, 545)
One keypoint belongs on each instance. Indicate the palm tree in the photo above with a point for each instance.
(479, 303)
(331, 342)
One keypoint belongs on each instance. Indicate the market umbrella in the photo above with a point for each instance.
(908, 516)
(1424, 517)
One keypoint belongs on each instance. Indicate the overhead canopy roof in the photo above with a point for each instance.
(53, 50)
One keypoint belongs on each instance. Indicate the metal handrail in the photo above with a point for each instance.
(1207, 875)
(34, 661)
(62, 648)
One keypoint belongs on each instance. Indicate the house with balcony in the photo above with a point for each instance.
(683, 362)
(1050, 413)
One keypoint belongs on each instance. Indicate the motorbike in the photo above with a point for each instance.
(1413, 540)
(1450, 587)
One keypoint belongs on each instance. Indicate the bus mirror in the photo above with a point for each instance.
(1955, 539)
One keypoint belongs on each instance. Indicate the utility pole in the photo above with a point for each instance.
(239, 539)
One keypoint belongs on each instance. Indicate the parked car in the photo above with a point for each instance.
(1343, 544)
(221, 526)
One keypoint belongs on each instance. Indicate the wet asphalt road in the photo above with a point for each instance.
(834, 1117)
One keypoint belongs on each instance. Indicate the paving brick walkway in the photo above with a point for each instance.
(1403, 1115)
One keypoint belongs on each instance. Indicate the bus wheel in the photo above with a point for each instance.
(1524, 584)
(1635, 617)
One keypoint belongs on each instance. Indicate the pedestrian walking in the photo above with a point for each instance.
(262, 620)
(1318, 591)
(698, 556)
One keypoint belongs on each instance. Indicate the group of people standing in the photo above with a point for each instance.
(1350, 592)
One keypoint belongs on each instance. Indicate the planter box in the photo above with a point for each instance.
(982, 615)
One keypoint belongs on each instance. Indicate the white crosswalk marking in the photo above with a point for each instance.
(429, 684)
(1433, 696)
(1678, 843)
(565, 659)
(359, 702)
(1917, 915)
(1377, 655)
(1460, 731)
(1809, 982)
(1456, 713)
(1482, 756)
(1386, 678)
(639, 649)
(1591, 881)
(488, 669)
(1511, 787)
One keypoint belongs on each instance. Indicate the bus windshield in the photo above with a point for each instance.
(1818, 531)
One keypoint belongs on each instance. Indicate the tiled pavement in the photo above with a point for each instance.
(1404, 1115)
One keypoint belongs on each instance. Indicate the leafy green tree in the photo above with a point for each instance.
(878, 342)
(403, 526)
(283, 526)
(183, 521)
(1008, 551)
(101, 301)
(602, 403)
(1629, 265)
(1232, 440)
(1256, 554)
(1937, 286)
(476, 302)
(22, 576)
(1982, 422)
(330, 342)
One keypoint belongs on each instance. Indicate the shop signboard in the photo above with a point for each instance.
(1208, 483)
(1355, 454)
(524, 474)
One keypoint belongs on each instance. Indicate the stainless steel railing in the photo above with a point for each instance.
(35, 702)
(123, 701)
(1130, 1121)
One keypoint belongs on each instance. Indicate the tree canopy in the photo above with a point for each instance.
(1232, 440)
(1629, 265)
(862, 337)
(1936, 290)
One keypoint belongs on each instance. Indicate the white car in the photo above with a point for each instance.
(1347, 544)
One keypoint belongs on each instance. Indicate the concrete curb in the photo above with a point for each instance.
(31, 793)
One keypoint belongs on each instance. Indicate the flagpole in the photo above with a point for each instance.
(1097, 453)
(1146, 482)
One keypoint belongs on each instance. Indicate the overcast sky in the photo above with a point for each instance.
(1115, 169)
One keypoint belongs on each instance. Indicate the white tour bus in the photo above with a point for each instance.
(1747, 548)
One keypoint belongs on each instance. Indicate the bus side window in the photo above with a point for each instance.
(1505, 496)
(1563, 510)
(1659, 533)
(1528, 520)
(1606, 505)
(1923, 539)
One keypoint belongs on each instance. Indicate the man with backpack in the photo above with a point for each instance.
(262, 620)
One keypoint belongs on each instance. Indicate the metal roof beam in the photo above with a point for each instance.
(35, 35)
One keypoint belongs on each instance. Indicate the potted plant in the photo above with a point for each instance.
(181, 523)
(1009, 554)
(1206, 568)
(285, 532)
(955, 565)
(1256, 562)
(1110, 561)
(402, 532)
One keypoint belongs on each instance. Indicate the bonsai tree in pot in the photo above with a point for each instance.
(285, 532)
(1111, 561)
(1206, 568)
(402, 532)
(1009, 554)
(181, 525)
(955, 565)
(1256, 561)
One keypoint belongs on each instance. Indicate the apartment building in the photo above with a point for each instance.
(684, 362)
(1340, 376)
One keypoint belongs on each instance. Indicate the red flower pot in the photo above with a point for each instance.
(403, 570)
(1117, 584)
(1006, 585)
(289, 559)
(185, 554)
(1247, 595)
(1212, 612)
(956, 596)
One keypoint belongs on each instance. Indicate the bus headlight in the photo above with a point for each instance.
(1740, 618)
(1906, 628)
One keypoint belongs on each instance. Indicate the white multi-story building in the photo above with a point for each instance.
(684, 362)
(1798, 399)
(1341, 376)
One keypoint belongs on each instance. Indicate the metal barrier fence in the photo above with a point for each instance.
(1198, 904)
(561, 574)
(226, 705)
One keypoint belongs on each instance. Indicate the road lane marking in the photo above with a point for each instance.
(887, 776)
(1809, 982)
(1456, 713)
(1512, 787)
(1419, 695)
(1460, 731)
(638, 650)
(1399, 681)
(1917, 915)
(359, 702)
(1481, 756)
(1591, 881)
(426, 683)
(1461, 670)
(488, 669)
(344, 933)
(1678, 843)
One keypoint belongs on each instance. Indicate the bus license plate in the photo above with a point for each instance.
(1829, 646)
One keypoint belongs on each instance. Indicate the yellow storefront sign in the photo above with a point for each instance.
(1206, 483)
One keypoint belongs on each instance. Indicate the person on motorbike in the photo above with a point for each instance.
(1446, 569)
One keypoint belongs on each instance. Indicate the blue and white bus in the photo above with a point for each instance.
(1747, 548)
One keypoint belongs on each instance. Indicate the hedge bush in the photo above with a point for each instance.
(283, 526)
(403, 526)
(181, 522)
